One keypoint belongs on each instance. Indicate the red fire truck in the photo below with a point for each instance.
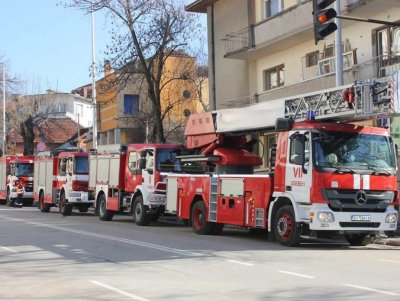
(132, 179)
(327, 176)
(61, 179)
(12, 168)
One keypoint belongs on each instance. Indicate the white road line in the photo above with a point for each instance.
(109, 237)
(240, 262)
(388, 260)
(117, 290)
(9, 249)
(371, 289)
(297, 274)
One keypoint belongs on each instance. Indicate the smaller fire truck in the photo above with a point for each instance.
(61, 179)
(132, 179)
(12, 168)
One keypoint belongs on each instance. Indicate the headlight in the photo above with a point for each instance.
(325, 217)
(391, 218)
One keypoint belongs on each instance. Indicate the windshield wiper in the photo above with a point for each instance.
(340, 169)
(379, 170)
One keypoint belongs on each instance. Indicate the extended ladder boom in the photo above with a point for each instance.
(363, 100)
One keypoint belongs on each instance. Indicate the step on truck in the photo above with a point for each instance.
(61, 180)
(131, 179)
(13, 168)
(328, 174)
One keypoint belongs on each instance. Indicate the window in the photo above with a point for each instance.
(132, 161)
(63, 167)
(131, 104)
(272, 7)
(312, 59)
(274, 77)
(388, 41)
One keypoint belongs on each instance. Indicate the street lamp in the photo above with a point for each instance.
(4, 110)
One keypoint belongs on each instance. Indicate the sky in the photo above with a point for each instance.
(48, 45)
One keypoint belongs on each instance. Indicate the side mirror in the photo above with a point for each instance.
(299, 141)
(142, 162)
(143, 153)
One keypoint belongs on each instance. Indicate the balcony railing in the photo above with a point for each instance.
(379, 66)
(238, 41)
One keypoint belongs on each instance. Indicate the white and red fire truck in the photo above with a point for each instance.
(61, 179)
(327, 175)
(132, 179)
(12, 168)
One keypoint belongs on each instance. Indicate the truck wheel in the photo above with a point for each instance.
(199, 222)
(142, 218)
(356, 239)
(286, 230)
(104, 214)
(44, 207)
(65, 208)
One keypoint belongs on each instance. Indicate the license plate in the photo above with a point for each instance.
(360, 218)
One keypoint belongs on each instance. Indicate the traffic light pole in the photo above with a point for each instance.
(338, 49)
(369, 20)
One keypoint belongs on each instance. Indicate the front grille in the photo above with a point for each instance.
(28, 189)
(345, 200)
(359, 225)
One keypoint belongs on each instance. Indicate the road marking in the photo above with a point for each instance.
(297, 274)
(117, 290)
(109, 237)
(240, 262)
(9, 250)
(371, 289)
(388, 260)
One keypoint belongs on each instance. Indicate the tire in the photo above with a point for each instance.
(65, 208)
(155, 217)
(104, 214)
(199, 219)
(356, 239)
(44, 207)
(142, 218)
(286, 230)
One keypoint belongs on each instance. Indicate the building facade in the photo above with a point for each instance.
(261, 50)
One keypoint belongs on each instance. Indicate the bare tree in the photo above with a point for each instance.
(146, 34)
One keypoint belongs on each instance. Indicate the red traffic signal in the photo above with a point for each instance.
(321, 16)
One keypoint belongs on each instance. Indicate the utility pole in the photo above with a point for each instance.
(94, 102)
(338, 48)
(4, 109)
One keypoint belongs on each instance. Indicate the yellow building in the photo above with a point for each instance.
(125, 114)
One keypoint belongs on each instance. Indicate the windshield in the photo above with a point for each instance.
(354, 151)
(167, 161)
(24, 169)
(81, 165)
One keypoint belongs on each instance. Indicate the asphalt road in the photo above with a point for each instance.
(48, 257)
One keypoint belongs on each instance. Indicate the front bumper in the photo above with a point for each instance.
(156, 200)
(351, 221)
(26, 195)
(79, 197)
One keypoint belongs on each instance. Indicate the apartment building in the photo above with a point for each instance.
(264, 49)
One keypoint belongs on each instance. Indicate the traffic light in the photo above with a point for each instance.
(321, 16)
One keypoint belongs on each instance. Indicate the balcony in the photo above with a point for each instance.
(259, 38)
(378, 67)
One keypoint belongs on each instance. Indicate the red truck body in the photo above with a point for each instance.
(12, 168)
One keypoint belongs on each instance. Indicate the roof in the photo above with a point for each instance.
(199, 6)
(54, 130)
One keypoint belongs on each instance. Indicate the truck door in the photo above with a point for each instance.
(299, 172)
(149, 171)
(133, 172)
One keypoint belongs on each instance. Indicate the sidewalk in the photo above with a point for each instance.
(390, 241)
